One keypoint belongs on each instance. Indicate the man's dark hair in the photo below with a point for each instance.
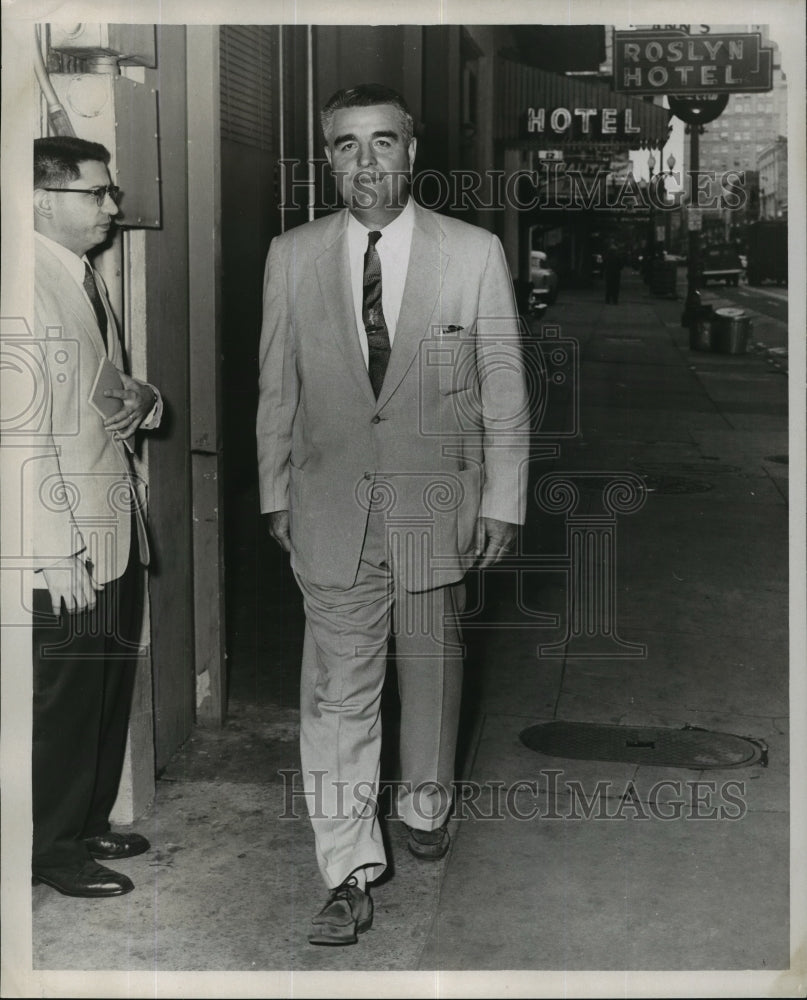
(367, 95)
(57, 159)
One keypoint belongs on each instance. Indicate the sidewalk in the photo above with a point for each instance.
(701, 581)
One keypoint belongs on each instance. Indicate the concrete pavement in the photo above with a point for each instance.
(700, 575)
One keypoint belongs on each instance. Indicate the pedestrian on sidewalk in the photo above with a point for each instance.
(612, 269)
(392, 438)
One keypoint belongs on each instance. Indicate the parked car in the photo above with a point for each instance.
(720, 262)
(543, 281)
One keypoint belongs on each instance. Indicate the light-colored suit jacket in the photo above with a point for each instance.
(79, 483)
(447, 439)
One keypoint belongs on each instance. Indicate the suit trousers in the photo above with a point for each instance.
(84, 671)
(344, 663)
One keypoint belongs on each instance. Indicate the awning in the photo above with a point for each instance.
(536, 109)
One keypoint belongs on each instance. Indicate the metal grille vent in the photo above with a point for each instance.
(248, 83)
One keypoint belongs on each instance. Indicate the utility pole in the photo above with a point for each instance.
(690, 313)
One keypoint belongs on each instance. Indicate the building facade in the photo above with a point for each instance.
(772, 168)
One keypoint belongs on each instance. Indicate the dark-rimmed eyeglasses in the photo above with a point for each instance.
(99, 193)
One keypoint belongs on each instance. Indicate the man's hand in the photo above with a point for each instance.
(70, 580)
(138, 401)
(279, 529)
(494, 539)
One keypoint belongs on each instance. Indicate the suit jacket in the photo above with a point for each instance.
(80, 486)
(446, 440)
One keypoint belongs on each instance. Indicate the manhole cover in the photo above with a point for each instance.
(688, 469)
(779, 459)
(675, 484)
(695, 748)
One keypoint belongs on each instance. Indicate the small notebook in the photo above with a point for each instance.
(107, 377)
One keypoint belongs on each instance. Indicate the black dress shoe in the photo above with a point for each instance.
(428, 845)
(91, 880)
(348, 913)
(112, 846)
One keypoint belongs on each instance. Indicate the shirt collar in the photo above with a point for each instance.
(73, 263)
(394, 232)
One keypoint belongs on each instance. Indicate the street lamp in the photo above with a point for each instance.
(670, 173)
(656, 193)
(650, 250)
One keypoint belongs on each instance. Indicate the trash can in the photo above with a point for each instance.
(702, 329)
(731, 331)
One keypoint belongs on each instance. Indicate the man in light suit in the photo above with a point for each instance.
(88, 530)
(392, 439)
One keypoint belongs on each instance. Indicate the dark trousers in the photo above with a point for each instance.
(612, 282)
(84, 671)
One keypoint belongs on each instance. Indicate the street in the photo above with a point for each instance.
(767, 303)
(771, 300)
(603, 870)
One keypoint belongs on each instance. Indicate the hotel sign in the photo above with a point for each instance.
(581, 123)
(671, 62)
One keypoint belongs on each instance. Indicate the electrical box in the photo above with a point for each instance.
(122, 115)
(134, 44)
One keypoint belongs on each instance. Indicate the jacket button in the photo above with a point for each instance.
(376, 419)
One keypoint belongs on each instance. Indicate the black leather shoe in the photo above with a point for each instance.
(348, 913)
(428, 845)
(112, 846)
(91, 880)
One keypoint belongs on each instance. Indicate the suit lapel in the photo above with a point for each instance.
(72, 301)
(424, 279)
(333, 271)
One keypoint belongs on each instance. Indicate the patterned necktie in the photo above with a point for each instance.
(94, 296)
(372, 315)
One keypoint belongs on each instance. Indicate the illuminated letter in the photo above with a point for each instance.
(560, 120)
(629, 126)
(585, 114)
(609, 120)
(630, 52)
(708, 78)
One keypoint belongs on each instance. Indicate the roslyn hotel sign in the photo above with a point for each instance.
(673, 62)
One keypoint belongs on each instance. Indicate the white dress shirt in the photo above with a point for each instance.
(393, 252)
(73, 264)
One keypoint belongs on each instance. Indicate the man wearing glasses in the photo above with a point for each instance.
(88, 530)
